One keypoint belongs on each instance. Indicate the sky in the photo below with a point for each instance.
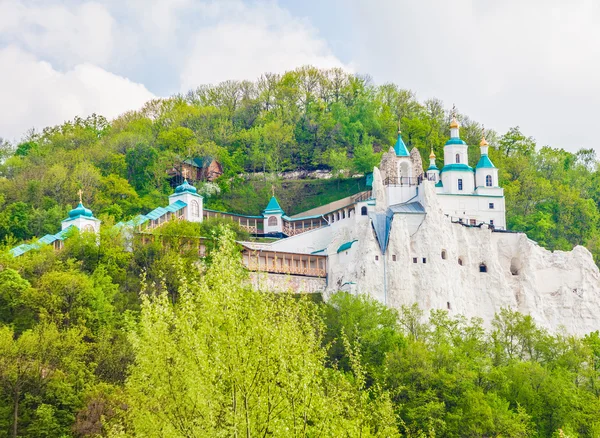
(531, 63)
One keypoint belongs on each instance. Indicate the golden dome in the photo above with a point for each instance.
(454, 123)
(431, 155)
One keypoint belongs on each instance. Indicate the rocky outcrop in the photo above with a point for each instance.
(471, 271)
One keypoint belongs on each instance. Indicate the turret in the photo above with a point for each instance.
(187, 194)
(456, 175)
(273, 217)
(433, 173)
(486, 174)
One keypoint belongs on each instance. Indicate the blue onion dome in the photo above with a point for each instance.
(185, 187)
(80, 210)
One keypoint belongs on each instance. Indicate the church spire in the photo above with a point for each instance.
(400, 147)
(454, 125)
(483, 144)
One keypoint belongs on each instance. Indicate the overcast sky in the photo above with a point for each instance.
(532, 63)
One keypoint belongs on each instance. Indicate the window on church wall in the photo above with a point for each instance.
(460, 184)
(272, 222)
(195, 208)
(443, 254)
(488, 180)
(491, 205)
(363, 211)
(473, 222)
(457, 158)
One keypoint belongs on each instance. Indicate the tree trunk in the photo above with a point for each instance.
(15, 428)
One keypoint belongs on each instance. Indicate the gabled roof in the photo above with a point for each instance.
(200, 162)
(409, 208)
(400, 147)
(273, 207)
(382, 223)
(485, 163)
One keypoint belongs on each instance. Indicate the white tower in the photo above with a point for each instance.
(486, 174)
(457, 176)
(273, 217)
(187, 194)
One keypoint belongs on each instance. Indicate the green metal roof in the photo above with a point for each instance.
(200, 162)
(485, 163)
(346, 246)
(400, 147)
(273, 207)
(455, 140)
(439, 184)
(457, 168)
(46, 240)
(433, 167)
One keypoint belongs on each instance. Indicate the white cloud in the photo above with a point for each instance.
(62, 58)
(65, 34)
(34, 94)
(246, 41)
(527, 63)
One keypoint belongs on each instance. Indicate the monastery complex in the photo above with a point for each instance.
(437, 238)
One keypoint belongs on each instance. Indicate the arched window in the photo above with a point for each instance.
(363, 211)
(457, 158)
(488, 180)
(195, 208)
(482, 267)
(272, 221)
(444, 254)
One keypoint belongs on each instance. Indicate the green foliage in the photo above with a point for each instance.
(228, 360)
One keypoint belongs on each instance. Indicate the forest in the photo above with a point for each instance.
(97, 340)
(106, 339)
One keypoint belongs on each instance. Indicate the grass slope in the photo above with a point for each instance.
(294, 196)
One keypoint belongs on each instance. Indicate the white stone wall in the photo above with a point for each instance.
(276, 227)
(450, 182)
(475, 207)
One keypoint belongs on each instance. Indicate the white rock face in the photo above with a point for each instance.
(556, 288)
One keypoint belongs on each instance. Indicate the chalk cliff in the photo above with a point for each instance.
(468, 270)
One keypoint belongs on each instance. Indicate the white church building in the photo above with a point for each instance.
(435, 237)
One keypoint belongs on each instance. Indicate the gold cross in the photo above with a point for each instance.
(80, 193)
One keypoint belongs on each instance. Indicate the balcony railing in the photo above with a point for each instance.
(403, 181)
(286, 269)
